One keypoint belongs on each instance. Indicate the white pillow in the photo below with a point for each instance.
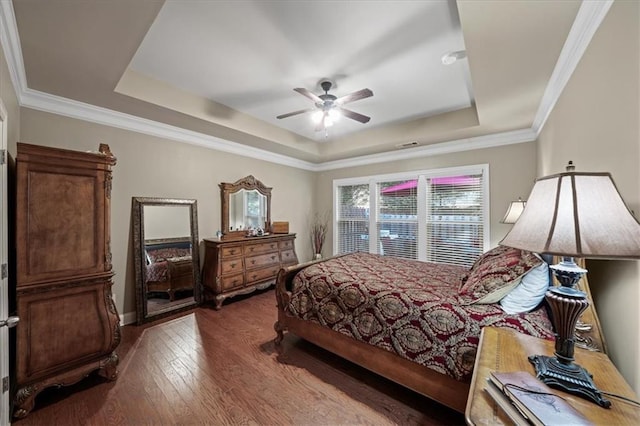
(529, 293)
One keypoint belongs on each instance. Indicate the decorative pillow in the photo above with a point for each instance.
(529, 293)
(496, 273)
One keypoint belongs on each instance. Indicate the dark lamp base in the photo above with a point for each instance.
(570, 378)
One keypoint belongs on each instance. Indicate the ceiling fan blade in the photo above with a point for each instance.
(289, 114)
(354, 115)
(309, 94)
(355, 96)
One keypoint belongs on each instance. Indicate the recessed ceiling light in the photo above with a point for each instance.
(451, 57)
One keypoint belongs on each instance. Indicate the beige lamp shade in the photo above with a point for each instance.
(579, 215)
(514, 211)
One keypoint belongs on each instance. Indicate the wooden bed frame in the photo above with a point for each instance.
(425, 381)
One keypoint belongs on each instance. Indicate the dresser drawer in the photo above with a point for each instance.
(231, 281)
(262, 274)
(288, 257)
(231, 265)
(262, 260)
(252, 249)
(286, 245)
(231, 251)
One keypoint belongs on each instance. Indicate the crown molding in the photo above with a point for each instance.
(70, 108)
(11, 46)
(460, 145)
(588, 19)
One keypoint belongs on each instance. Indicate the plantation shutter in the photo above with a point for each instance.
(353, 218)
(455, 218)
(396, 219)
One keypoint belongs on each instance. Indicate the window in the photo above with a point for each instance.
(438, 215)
(353, 221)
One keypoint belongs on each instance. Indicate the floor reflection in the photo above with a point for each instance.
(160, 300)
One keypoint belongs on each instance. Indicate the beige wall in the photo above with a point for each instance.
(153, 167)
(512, 171)
(8, 96)
(596, 124)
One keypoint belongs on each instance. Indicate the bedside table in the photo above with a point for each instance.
(506, 350)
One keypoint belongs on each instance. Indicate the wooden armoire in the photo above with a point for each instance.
(69, 326)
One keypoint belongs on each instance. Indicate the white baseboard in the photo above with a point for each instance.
(128, 318)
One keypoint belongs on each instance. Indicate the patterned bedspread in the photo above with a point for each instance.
(407, 307)
(157, 272)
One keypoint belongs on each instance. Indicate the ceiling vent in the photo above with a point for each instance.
(408, 145)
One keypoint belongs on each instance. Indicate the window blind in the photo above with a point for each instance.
(455, 219)
(397, 218)
(437, 216)
(353, 218)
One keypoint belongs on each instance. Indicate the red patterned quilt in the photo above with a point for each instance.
(157, 272)
(407, 307)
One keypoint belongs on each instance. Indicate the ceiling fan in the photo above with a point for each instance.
(329, 107)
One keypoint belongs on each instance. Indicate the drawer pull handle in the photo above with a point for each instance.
(253, 262)
(253, 277)
(273, 245)
(232, 251)
(233, 265)
(273, 257)
(251, 248)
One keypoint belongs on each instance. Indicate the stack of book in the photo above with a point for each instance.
(526, 400)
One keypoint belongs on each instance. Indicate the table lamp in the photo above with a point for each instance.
(514, 211)
(573, 214)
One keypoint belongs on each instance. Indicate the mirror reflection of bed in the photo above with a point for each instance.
(169, 272)
(168, 262)
(166, 256)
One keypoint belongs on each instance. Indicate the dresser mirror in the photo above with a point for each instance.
(246, 206)
(167, 261)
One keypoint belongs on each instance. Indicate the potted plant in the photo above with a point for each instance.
(319, 226)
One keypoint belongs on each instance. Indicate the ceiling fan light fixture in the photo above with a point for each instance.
(317, 116)
(328, 121)
(328, 108)
(334, 114)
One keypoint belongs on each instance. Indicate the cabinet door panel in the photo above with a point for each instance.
(63, 327)
(63, 234)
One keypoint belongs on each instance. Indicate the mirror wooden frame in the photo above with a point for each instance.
(137, 209)
(249, 183)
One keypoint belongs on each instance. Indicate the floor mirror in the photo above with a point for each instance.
(166, 257)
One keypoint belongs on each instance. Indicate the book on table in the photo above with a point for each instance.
(505, 403)
(533, 400)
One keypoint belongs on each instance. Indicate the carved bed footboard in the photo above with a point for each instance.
(425, 381)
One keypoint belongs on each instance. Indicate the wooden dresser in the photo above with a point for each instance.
(242, 265)
(69, 325)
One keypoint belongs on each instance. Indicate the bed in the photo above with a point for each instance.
(416, 323)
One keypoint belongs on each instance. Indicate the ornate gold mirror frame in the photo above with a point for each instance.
(248, 183)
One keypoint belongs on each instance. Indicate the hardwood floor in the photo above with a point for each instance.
(221, 367)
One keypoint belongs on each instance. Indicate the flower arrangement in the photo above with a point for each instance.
(319, 227)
